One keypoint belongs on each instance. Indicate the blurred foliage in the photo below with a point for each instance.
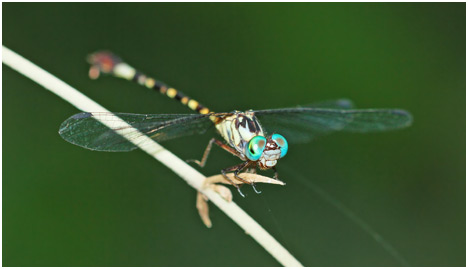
(66, 206)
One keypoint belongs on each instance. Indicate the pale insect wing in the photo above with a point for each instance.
(83, 129)
(298, 135)
(336, 104)
(303, 124)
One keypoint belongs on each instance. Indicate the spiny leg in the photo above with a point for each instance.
(276, 172)
(228, 149)
(202, 162)
(236, 169)
(251, 170)
(243, 180)
(255, 189)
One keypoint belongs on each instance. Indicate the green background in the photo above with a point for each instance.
(67, 206)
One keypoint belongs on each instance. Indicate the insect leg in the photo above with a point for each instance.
(251, 170)
(276, 172)
(255, 189)
(246, 165)
(208, 149)
(237, 169)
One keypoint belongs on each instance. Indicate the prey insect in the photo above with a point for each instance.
(242, 132)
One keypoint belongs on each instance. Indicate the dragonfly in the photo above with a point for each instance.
(242, 133)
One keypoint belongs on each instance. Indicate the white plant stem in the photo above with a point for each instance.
(186, 172)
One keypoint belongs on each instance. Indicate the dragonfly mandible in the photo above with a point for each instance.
(242, 132)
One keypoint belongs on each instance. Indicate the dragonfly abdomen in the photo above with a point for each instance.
(109, 63)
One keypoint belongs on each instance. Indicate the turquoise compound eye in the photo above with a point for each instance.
(255, 148)
(282, 143)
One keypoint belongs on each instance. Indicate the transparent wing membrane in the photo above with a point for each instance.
(86, 130)
(298, 125)
(302, 124)
(337, 104)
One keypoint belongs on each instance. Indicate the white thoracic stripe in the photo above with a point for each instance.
(246, 133)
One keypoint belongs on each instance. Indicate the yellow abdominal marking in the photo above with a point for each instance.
(150, 83)
(204, 111)
(192, 104)
(184, 100)
(171, 92)
(213, 118)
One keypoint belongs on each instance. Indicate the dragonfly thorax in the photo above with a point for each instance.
(243, 132)
(238, 129)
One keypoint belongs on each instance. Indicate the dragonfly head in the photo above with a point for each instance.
(266, 151)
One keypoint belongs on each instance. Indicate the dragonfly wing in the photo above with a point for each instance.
(337, 104)
(100, 131)
(302, 124)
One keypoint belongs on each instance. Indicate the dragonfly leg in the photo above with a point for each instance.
(253, 170)
(202, 162)
(255, 189)
(234, 184)
(276, 172)
(245, 181)
(237, 169)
